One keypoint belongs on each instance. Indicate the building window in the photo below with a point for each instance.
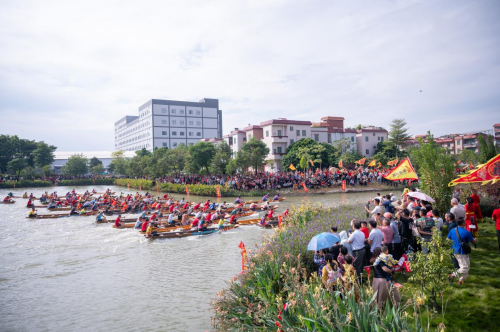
(378, 138)
(373, 134)
(190, 111)
(181, 133)
(366, 138)
(291, 128)
(181, 122)
(174, 122)
(458, 143)
(234, 140)
(304, 133)
(174, 133)
(190, 133)
(190, 123)
(174, 111)
(181, 112)
(279, 133)
(352, 138)
(198, 123)
(267, 133)
(291, 141)
(279, 149)
(198, 134)
(164, 110)
(198, 112)
(374, 147)
(164, 144)
(163, 121)
(175, 145)
(297, 132)
(316, 137)
(249, 136)
(381, 139)
(367, 152)
(164, 133)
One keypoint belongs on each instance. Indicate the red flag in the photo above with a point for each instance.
(280, 221)
(217, 190)
(343, 185)
(187, 191)
(406, 264)
(305, 187)
(244, 256)
(341, 164)
(368, 270)
(157, 189)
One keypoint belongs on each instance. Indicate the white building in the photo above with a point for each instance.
(168, 123)
(235, 140)
(61, 157)
(368, 138)
(278, 135)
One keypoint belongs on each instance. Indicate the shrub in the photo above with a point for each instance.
(86, 182)
(25, 184)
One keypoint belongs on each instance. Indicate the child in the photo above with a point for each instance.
(388, 260)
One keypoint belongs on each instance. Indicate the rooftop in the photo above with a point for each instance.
(285, 121)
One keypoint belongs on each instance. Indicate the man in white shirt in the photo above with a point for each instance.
(456, 209)
(376, 209)
(357, 241)
(376, 236)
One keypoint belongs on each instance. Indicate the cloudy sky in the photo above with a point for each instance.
(70, 69)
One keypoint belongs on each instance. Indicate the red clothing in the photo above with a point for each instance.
(496, 218)
(208, 218)
(232, 220)
(195, 223)
(270, 214)
(476, 200)
(197, 206)
(117, 221)
(471, 211)
(365, 231)
(144, 226)
(171, 208)
(185, 206)
(285, 213)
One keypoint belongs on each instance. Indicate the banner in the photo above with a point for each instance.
(312, 164)
(292, 167)
(361, 161)
(280, 222)
(217, 190)
(404, 171)
(139, 187)
(244, 256)
(485, 173)
(343, 185)
(128, 185)
(305, 187)
(380, 165)
(372, 163)
(187, 191)
(341, 164)
(157, 189)
(393, 162)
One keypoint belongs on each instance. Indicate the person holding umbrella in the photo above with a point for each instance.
(318, 243)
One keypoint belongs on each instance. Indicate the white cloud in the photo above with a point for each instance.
(69, 70)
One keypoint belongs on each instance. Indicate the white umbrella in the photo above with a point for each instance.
(421, 196)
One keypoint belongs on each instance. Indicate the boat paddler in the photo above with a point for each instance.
(117, 221)
(32, 213)
(238, 200)
(10, 194)
(277, 197)
(30, 203)
(270, 214)
(232, 220)
(25, 195)
(221, 223)
(207, 204)
(99, 216)
(265, 197)
(7, 199)
(285, 213)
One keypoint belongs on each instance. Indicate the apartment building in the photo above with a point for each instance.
(468, 141)
(168, 123)
(367, 139)
(448, 143)
(235, 140)
(335, 132)
(496, 135)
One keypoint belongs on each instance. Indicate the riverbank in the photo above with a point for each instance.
(41, 183)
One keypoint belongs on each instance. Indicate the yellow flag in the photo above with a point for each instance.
(341, 164)
(404, 171)
(372, 163)
(292, 167)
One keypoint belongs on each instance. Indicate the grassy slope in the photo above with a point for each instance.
(475, 306)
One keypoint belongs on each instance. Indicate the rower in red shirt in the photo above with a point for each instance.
(185, 206)
(195, 223)
(208, 218)
(197, 206)
(270, 214)
(285, 213)
(207, 204)
(144, 226)
(232, 219)
(117, 221)
(30, 203)
(172, 207)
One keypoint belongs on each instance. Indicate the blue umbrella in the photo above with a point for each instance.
(322, 241)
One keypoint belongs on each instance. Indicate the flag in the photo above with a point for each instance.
(404, 171)
(157, 189)
(244, 256)
(380, 165)
(470, 165)
(217, 191)
(305, 187)
(187, 191)
(393, 162)
(312, 164)
(128, 185)
(292, 167)
(280, 222)
(341, 164)
(372, 163)
(361, 161)
(343, 185)
(485, 173)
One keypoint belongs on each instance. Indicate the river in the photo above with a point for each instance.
(73, 274)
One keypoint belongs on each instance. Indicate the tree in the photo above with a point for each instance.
(43, 154)
(200, 156)
(17, 165)
(492, 152)
(350, 157)
(46, 170)
(97, 169)
(119, 164)
(232, 167)
(398, 134)
(178, 158)
(322, 153)
(255, 152)
(483, 149)
(435, 168)
(143, 152)
(468, 156)
(76, 165)
(138, 166)
(94, 161)
(159, 165)
(342, 145)
(221, 158)
(303, 163)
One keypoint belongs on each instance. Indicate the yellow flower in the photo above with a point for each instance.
(349, 317)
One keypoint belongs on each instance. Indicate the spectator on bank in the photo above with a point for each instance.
(357, 241)
(460, 235)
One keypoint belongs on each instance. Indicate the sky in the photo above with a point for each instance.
(70, 69)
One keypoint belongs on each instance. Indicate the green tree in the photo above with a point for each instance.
(43, 154)
(138, 166)
(492, 152)
(321, 153)
(221, 158)
(17, 165)
(178, 158)
(303, 163)
(94, 161)
(119, 164)
(200, 156)
(97, 169)
(431, 270)
(398, 135)
(159, 165)
(350, 157)
(435, 168)
(232, 167)
(29, 173)
(76, 165)
(483, 149)
(143, 152)
(380, 157)
(468, 156)
(46, 170)
(343, 145)
(255, 152)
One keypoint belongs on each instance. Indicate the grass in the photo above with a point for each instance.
(474, 306)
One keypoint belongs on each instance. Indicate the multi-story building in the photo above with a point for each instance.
(335, 132)
(468, 141)
(253, 132)
(168, 123)
(448, 143)
(278, 134)
(235, 140)
(496, 130)
(367, 139)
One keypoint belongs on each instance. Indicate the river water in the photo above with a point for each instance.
(73, 274)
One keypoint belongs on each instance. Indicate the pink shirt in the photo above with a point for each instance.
(388, 234)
